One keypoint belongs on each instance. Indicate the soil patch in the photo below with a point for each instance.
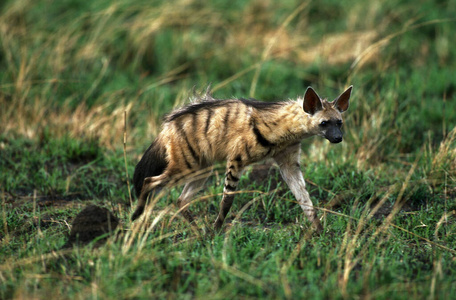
(93, 222)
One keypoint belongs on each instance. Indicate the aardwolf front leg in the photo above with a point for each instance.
(232, 175)
(290, 169)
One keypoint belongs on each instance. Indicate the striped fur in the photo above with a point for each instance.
(240, 132)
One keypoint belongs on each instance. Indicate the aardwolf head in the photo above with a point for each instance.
(327, 116)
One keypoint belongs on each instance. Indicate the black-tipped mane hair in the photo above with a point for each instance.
(209, 104)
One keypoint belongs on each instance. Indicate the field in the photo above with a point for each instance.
(83, 89)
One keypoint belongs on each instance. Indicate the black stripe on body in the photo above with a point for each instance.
(192, 151)
(189, 166)
(261, 139)
(181, 132)
(208, 120)
(194, 122)
(225, 121)
(206, 130)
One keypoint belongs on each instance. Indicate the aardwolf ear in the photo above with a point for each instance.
(342, 102)
(312, 102)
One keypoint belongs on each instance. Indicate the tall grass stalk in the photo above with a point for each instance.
(78, 76)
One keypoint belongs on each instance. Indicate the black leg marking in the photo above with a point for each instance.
(231, 177)
(231, 181)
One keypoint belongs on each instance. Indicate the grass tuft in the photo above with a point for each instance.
(83, 89)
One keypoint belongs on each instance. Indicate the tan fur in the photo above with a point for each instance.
(240, 132)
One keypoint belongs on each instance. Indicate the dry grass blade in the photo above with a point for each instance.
(76, 78)
(443, 220)
(125, 158)
(445, 158)
(235, 77)
(449, 250)
(5, 223)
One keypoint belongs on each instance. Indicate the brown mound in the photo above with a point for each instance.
(91, 223)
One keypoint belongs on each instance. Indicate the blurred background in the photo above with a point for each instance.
(72, 68)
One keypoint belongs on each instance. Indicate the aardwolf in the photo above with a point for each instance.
(240, 132)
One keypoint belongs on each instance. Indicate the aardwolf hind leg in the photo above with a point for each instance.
(150, 183)
(290, 170)
(190, 189)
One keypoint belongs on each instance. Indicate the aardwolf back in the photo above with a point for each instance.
(239, 132)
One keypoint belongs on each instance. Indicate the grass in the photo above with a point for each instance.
(72, 70)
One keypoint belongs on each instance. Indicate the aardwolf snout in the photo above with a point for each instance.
(335, 140)
(334, 134)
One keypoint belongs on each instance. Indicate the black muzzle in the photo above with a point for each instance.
(334, 134)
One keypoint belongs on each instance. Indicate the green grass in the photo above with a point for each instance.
(72, 70)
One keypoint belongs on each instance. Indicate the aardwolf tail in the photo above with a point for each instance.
(152, 163)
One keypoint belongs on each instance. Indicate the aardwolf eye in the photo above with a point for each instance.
(339, 123)
(324, 123)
